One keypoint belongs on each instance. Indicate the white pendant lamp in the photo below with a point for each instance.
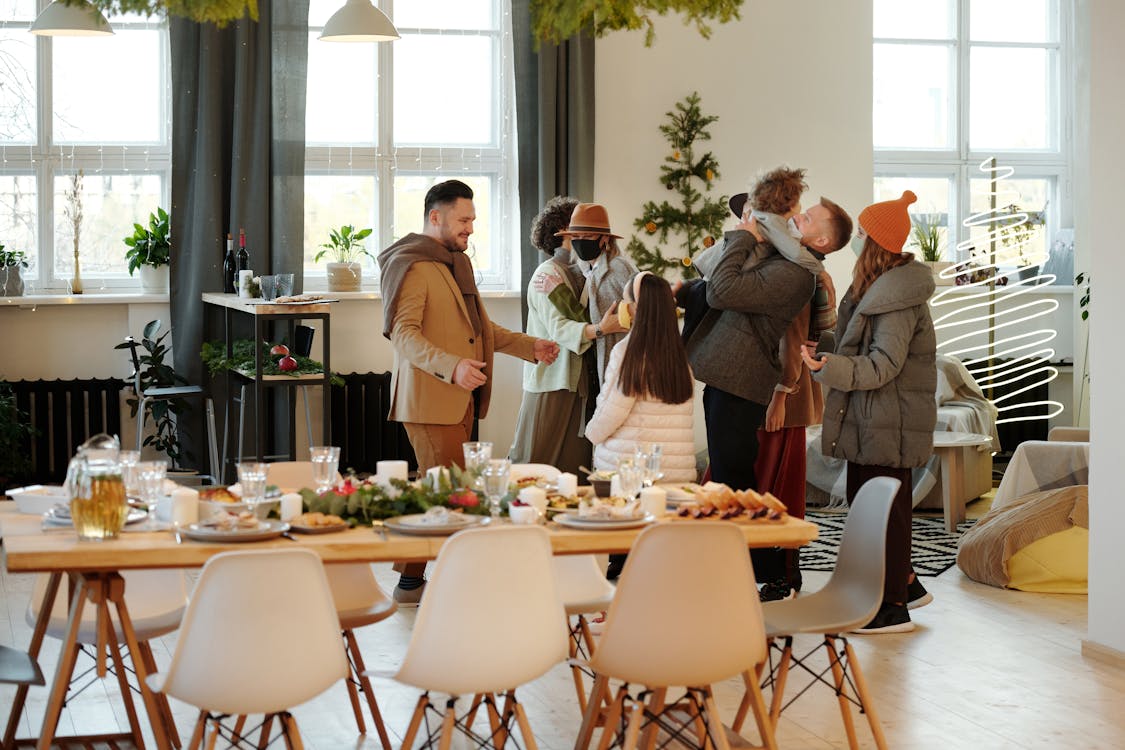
(77, 19)
(358, 21)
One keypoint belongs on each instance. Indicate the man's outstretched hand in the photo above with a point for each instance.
(467, 374)
(546, 351)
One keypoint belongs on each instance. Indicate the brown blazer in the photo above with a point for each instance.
(805, 405)
(431, 334)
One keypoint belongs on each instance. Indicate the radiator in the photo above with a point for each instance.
(64, 414)
(360, 425)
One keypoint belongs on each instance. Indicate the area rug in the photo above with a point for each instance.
(933, 549)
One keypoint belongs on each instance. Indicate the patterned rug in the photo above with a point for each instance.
(933, 551)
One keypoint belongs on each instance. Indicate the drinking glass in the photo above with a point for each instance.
(284, 284)
(629, 477)
(325, 460)
(130, 472)
(268, 285)
(647, 457)
(496, 476)
(150, 476)
(252, 479)
(477, 456)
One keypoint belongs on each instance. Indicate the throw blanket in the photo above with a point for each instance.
(956, 387)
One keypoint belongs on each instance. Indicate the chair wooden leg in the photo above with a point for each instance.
(593, 711)
(65, 669)
(748, 678)
(655, 706)
(353, 698)
(367, 688)
(123, 682)
(239, 725)
(499, 720)
(213, 735)
(575, 671)
(838, 681)
(292, 734)
(197, 733)
(264, 733)
(471, 714)
(767, 726)
(37, 634)
(117, 596)
(717, 733)
(447, 725)
(777, 699)
(616, 709)
(633, 729)
(525, 727)
(415, 721)
(161, 699)
(865, 697)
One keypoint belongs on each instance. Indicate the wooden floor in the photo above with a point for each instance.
(985, 669)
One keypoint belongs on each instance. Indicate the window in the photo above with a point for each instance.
(88, 111)
(957, 82)
(386, 121)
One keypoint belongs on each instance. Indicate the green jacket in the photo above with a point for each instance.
(545, 321)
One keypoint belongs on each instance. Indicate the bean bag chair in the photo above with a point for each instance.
(1037, 542)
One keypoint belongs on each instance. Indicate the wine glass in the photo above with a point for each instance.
(647, 457)
(131, 472)
(629, 477)
(477, 456)
(252, 479)
(325, 461)
(150, 477)
(496, 476)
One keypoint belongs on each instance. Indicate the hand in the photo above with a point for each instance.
(546, 282)
(545, 351)
(750, 224)
(814, 361)
(677, 285)
(610, 322)
(467, 374)
(775, 412)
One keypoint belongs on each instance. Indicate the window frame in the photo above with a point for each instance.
(963, 162)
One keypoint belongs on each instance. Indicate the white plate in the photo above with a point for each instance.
(546, 471)
(677, 492)
(264, 530)
(412, 524)
(38, 498)
(573, 521)
(59, 515)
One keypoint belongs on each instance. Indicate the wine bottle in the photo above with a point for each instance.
(230, 267)
(243, 253)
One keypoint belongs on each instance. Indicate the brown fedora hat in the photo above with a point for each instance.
(588, 218)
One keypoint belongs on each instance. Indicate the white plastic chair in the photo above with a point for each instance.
(849, 600)
(249, 647)
(495, 584)
(678, 576)
(584, 590)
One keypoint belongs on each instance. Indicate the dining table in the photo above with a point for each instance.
(93, 570)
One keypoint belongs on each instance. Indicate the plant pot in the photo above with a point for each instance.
(154, 280)
(344, 277)
(1029, 273)
(936, 267)
(11, 282)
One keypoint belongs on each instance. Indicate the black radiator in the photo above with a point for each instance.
(360, 426)
(63, 414)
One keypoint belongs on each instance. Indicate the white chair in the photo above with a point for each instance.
(680, 580)
(259, 636)
(849, 600)
(491, 620)
(584, 590)
(155, 599)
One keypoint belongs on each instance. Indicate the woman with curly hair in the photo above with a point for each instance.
(552, 417)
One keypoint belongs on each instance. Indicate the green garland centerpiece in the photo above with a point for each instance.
(214, 356)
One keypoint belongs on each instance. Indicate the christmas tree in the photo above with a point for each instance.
(694, 223)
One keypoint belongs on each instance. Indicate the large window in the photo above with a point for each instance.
(386, 121)
(957, 82)
(81, 119)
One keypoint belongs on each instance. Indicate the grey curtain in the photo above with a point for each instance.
(554, 122)
(238, 118)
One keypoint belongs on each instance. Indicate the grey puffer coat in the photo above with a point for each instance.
(880, 409)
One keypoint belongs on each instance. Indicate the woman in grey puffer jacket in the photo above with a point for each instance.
(880, 412)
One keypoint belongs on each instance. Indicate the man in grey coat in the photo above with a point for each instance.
(734, 349)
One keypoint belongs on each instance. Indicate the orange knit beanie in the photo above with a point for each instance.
(888, 223)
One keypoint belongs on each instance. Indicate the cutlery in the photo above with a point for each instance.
(289, 536)
(179, 539)
(382, 529)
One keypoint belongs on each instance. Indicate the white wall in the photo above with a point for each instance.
(1097, 220)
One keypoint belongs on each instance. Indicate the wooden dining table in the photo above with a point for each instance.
(94, 571)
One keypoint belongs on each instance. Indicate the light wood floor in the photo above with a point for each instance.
(985, 669)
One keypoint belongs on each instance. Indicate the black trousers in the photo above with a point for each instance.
(732, 437)
(899, 529)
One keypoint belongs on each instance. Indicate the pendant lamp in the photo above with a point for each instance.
(359, 21)
(77, 19)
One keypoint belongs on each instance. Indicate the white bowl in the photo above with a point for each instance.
(38, 498)
(523, 514)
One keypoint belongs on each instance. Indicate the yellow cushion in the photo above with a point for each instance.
(1055, 564)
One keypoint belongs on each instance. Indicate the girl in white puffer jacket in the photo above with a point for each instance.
(648, 388)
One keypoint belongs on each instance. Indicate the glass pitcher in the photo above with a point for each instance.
(96, 489)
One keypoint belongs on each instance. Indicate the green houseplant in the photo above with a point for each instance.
(11, 264)
(15, 437)
(150, 250)
(345, 274)
(1017, 233)
(925, 234)
(156, 374)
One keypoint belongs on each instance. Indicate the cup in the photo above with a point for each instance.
(393, 469)
(284, 284)
(647, 459)
(630, 477)
(477, 456)
(150, 476)
(252, 478)
(268, 285)
(654, 500)
(130, 473)
(496, 477)
(567, 484)
(522, 514)
(536, 497)
(325, 463)
(244, 279)
(185, 506)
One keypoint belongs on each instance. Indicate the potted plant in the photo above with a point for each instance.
(150, 250)
(346, 245)
(162, 412)
(925, 234)
(11, 261)
(1016, 234)
(16, 433)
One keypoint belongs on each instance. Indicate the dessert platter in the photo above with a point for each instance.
(714, 501)
(437, 521)
(605, 514)
(317, 523)
(233, 527)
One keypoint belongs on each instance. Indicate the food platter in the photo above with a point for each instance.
(264, 530)
(59, 515)
(574, 521)
(416, 524)
(328, 529)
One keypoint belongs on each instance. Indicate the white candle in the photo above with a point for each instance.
(568, 484)
(654, 500)
(615, 486)
(291, 506)
(435, 473)
(393, 469)
(536, 497)
(185, 506)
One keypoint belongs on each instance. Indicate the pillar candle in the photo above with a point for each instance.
(393, 469)
(568, 484)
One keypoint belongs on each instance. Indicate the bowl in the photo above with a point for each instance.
(601, 486)
(523, 514)
(38, 498)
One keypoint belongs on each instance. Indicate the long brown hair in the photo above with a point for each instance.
(655, 364)
(872, 263)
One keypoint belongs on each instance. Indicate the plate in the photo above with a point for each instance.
(607, 524)
(264, 530)
(412, 524)
(318, 529)
(38, 498)
(59, 515)
(680, 493)
(546, 471)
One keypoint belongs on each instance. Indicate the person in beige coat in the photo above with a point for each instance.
(443, 339)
